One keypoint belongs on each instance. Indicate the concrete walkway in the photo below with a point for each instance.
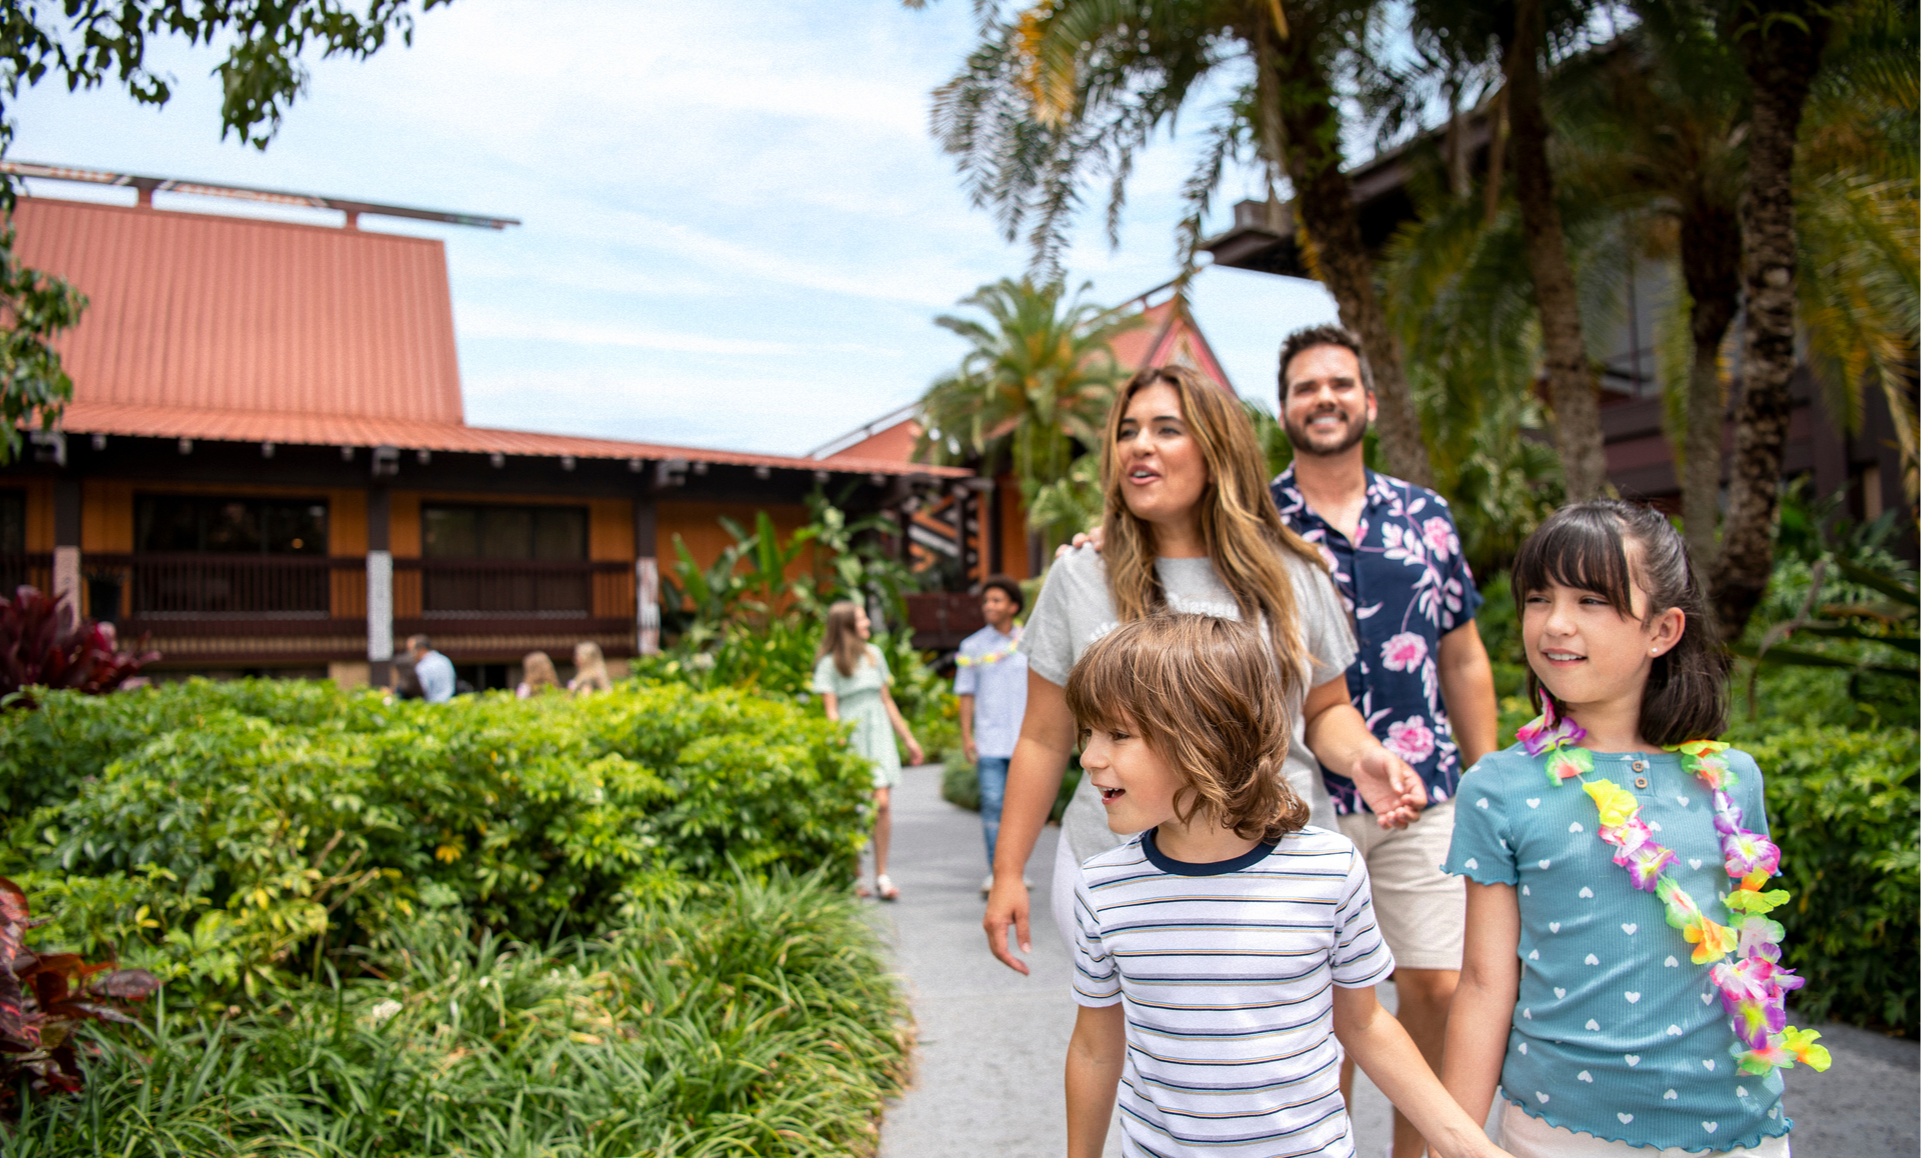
(988, 1078)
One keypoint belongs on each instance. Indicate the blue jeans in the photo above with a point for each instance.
(992, 772)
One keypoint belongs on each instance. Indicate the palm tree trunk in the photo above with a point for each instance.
(1711, 265)
(1324, 199)
(1571, 384)
(1781, 57)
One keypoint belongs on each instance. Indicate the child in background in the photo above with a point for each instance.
(1622, 980)
(537, 675)
(851, 677)
(590, 670)
(1223, 950)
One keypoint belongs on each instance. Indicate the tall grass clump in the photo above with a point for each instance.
(759, 1020)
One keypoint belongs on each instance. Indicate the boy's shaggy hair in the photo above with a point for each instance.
(1203, 694)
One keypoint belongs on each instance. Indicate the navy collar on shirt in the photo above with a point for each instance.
(1182, 868)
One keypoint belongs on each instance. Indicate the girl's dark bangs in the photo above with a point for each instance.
(1583, 549)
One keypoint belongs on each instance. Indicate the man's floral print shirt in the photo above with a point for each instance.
(1406, 585)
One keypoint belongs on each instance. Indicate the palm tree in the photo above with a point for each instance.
(1036, 383)
(1781, 42)
(1070, 90)
(1524, 33)
(1651, 135)
(1655, 125)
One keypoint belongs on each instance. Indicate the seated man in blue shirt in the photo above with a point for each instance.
(434, 671)
(1422, 679)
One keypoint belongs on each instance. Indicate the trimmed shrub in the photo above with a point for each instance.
(235, 832)
(1843, 805)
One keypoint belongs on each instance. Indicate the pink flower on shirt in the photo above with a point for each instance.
(1440, 537)
(1404, 652)
(1410, 739)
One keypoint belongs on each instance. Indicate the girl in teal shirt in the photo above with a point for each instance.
(1622, 981)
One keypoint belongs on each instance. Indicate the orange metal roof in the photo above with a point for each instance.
(213, 312)
(1168, 337)
(894, 443)
(237, 329)
(345, 430)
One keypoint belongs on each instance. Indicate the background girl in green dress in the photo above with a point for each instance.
(851, 677)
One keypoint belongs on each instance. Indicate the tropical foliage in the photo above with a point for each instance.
(1033, 388)
(753, 618)
(237, 834)
(43, 643)
(620, 923)
(44, 997)
(1064, 94)
(759, 1019)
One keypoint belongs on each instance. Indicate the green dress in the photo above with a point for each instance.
(861, 707)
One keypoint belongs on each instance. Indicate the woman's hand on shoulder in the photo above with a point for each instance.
(1092, 538)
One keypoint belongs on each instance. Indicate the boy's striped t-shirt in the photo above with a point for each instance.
(1225, 975)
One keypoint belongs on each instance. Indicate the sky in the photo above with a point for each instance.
(737, 227)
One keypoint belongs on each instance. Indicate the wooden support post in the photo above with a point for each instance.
(380, 589)
(646, 578)
(66, 547)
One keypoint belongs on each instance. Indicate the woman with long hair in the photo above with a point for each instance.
(590, 670)
(537, 675)
(1188, 526)
(851, 677)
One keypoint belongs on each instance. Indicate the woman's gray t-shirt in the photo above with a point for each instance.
(1074, 610)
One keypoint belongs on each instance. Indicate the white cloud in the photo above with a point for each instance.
(737, 227)
(482, 323)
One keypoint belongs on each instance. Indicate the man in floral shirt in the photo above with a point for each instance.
(1422, 679)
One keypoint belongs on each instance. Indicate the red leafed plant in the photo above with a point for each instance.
(44, 644)
(42, 999)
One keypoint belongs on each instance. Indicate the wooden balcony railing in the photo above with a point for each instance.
(516, 589)
(175, 595)
(25, 569)
(207, 594)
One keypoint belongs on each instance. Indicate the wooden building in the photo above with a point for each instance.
(266, 465)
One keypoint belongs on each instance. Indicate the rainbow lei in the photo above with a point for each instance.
(1754, 987)
(995, 656)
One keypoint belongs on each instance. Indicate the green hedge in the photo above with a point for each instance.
(233, 832)
(758, 1021)
(1843, 806)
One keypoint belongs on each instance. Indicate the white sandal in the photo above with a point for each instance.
(885, 889)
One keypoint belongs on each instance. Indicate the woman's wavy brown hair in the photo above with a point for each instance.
(1239, 523)
(1202, 692)
(841, 639)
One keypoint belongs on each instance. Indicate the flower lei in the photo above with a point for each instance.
(995, 656)
(1754, 987)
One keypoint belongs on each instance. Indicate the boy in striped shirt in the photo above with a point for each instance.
(1223, 951)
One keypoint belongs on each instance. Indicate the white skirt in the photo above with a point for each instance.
(1525, 1136)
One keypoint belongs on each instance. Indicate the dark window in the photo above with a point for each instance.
(473, 552)
(230, 526)
(14, 571)
(218, 557)
(13, 523)
(557, 534)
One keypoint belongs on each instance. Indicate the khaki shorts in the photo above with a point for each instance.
(1422, 911)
